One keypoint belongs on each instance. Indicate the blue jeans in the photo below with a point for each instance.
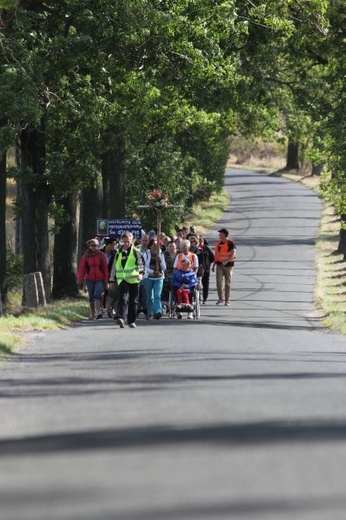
(153, 288)
(94, 289)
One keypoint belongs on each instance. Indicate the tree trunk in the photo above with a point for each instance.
(91, 210)
(3, 272)
(292, 155)
(342, 237)
(65, 251)
(317, 169)
(35, 204)
(18, 237)
(114, 182)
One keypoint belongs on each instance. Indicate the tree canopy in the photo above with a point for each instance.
(135, 95)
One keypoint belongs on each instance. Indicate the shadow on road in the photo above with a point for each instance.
(226, 434)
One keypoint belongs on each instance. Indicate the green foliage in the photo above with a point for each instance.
(14, 270)
(8, 4)
(331, 103)
(171, 81)
(203, 190)
(163, 169)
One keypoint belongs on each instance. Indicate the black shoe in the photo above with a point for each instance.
(158, 315)
(121, 323)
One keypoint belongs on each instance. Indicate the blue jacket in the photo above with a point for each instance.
(189, 278)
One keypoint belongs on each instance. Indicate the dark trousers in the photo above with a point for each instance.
(205, 284)
(128, 301)
(142, 298)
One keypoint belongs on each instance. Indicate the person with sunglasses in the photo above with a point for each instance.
(93, 271)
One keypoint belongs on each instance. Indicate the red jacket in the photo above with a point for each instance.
(93, 267)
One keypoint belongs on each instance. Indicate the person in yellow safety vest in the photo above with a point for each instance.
(128, 271)
(185, 253)
(225, 253)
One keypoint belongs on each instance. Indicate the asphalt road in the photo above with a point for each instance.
(238, 415)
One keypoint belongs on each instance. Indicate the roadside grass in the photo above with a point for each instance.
(56, 315)
(330, 288)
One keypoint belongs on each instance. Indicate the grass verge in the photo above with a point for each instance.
(330, 288)
(57, 315)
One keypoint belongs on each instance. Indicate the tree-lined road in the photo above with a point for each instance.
(238, 415)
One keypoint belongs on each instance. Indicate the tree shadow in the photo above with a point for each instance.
(231, 435)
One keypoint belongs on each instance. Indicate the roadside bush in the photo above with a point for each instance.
(203, 190)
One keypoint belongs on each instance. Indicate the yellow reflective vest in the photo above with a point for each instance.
(130, 271)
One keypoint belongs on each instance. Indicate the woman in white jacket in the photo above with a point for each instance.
(155, 267)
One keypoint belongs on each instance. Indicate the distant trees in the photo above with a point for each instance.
(109, 99)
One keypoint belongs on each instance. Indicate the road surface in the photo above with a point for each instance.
(238, 415)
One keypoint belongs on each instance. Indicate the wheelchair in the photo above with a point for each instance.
(177, 311)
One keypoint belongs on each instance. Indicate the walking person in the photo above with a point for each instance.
(207, 259)
(155, 266)
(128, 270)
(224, 256)
(194, 248)
(93, 271)
(108, 249)
(169, 256)
(142, 297)
(185, 253)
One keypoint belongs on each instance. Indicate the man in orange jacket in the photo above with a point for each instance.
(225, 252)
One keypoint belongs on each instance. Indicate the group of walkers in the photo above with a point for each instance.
(138, 274)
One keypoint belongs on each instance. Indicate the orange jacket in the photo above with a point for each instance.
(225, 252)
(180, 259)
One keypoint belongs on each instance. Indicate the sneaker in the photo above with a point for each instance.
(149, 317)
(219, 302)
(204, 302)
(228, 303)
(158, 315)
(121, 323)
(132, 325)
(190, 316)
